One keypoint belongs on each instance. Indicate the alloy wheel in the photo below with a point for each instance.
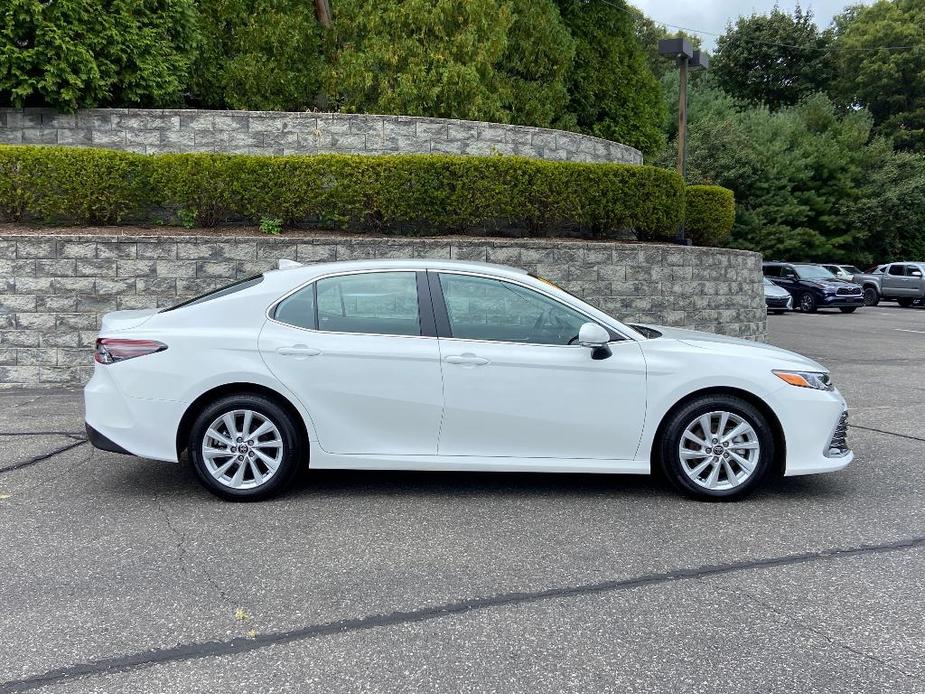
(719, 451)
(242, 449)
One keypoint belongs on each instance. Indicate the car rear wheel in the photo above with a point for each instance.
(717, 448)
(848, 309)
(871, 296)
(905, 302)
(807, 303)
(244, 448)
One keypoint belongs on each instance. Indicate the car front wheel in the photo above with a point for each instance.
(871, 297)
(717, 448)
(244, 448)
(807, 303)
(905, 302)
(848, 309)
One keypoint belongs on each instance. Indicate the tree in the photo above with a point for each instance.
(890, 83)
(612, 92)
(891, 212)
(539, 55)
(774, 59)
(70, 54)
(420, 57)
(259, 55)
(799, 174)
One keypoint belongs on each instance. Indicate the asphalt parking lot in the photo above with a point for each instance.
(123, 575)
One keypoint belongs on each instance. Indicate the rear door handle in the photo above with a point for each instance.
(466, 360)
(299, 351)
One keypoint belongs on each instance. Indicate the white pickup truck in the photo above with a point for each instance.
(901, 282)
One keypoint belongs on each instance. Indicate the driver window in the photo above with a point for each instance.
(480, 308)
(897, 269)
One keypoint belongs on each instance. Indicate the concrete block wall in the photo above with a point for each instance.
(55, 288)
(267, 132)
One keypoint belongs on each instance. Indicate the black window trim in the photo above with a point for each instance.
(442, 316)
(426, 317)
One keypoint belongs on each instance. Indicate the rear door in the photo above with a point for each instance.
(360, 351)
(516, 382)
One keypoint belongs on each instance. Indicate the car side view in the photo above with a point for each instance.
(454, 366)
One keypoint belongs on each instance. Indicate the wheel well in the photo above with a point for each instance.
(186, 422)
(777, 431)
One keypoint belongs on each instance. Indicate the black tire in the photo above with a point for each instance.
(905, 301)
(291, 446)
(808, 303)
(778, 313)
(871, 296)
(848, 309)
(675, 425)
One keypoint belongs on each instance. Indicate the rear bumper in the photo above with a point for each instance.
(97, 440)
(115, 422)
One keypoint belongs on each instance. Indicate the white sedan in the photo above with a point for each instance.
(444, 365)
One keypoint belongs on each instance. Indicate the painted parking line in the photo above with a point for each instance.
(906, 330)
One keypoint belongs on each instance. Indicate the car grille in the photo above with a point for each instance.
(843, 291)
(838, 446)
(777, 301)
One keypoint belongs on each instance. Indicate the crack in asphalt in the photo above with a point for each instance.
(831, 640)
(42, 457)
(888, 433)
(207, 649)
(70, 434)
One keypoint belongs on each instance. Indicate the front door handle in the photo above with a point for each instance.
(466, 360)
(299, 351)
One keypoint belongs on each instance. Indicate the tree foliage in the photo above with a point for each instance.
(612, 92)
(774, 59)
(259, 55)
(890, 83)
(78, 53)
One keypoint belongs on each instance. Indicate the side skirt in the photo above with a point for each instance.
(438, 463)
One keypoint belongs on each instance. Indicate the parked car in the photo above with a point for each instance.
(870, 284)
(777, 299)
(454, 366)
(902, 282)
(813, 287)
(843, 272)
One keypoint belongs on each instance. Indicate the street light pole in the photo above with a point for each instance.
(687, 58)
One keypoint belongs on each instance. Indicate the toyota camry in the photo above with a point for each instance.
(454, 366)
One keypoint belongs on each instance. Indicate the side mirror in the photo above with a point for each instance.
(593, 335)
(916, 273)
(596, 337)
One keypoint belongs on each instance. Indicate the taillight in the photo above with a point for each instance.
(109, 350)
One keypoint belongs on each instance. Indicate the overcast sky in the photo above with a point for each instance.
(713, 15)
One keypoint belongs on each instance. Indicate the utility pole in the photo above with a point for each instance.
(687, 58)
(323, 12)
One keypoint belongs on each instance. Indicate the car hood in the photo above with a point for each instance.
(833, 283)
(734, 346)
(123, 320)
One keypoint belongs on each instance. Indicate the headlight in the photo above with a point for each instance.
(817, 380)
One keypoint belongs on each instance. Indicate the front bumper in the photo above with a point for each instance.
(836, 301)
(813, 421)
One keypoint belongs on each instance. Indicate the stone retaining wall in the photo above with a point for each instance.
(55, 288)
(268, 132)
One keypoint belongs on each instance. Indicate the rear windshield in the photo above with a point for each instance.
(220, 292)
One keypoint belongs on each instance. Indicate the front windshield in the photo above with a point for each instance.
(852, 269)
(812, 272)
(768, 283)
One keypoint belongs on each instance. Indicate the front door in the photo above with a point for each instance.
(360, 352)
(516, 383)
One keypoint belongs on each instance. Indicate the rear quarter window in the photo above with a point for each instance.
(232, 288)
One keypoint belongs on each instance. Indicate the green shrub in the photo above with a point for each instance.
(405, 194)
(709, 214)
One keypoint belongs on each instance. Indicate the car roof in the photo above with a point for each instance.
(314, 269)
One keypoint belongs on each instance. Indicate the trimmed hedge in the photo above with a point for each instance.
(709, 215)
(411, 194)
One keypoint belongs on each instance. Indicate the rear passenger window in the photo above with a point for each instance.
(380, 303)
(298, 309)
